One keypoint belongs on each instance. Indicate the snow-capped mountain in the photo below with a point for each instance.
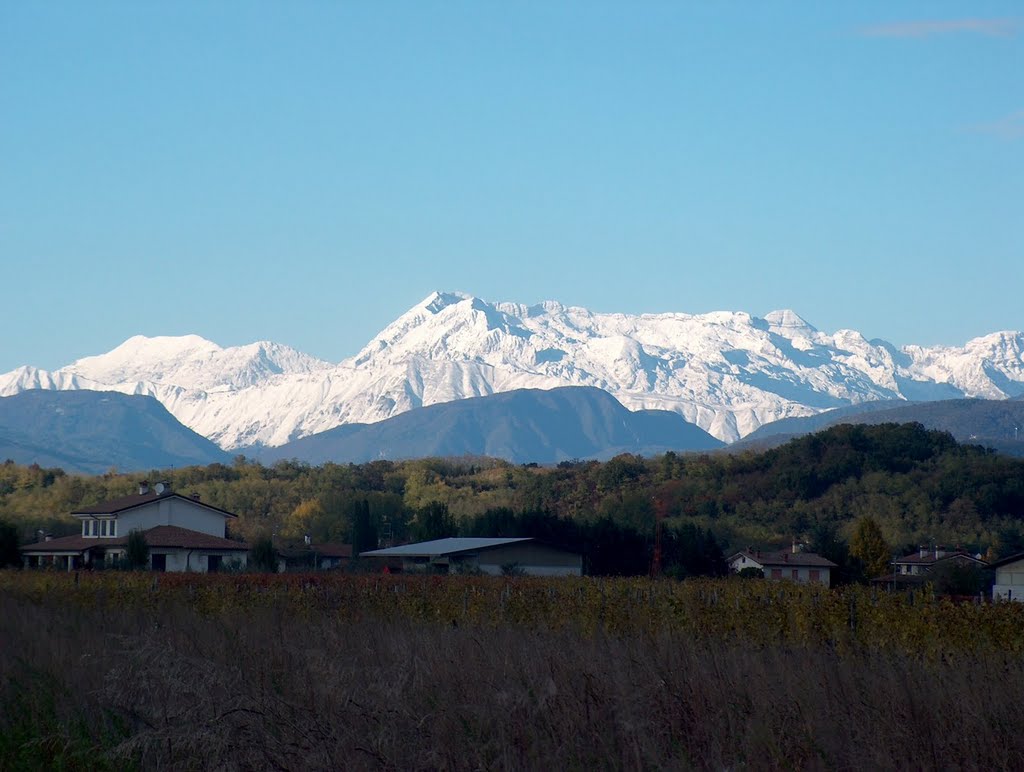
(727, 372)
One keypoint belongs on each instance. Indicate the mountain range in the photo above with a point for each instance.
(90, 432)
(727, 372)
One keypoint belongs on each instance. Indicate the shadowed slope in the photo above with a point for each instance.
(522, 426)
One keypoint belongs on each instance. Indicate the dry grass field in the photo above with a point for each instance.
(245, 673)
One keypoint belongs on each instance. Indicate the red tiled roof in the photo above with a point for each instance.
(75, 543)
(137, 500)
(175, 536)
(786, 558)
(161, 536)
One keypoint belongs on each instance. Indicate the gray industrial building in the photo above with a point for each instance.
(489, 556)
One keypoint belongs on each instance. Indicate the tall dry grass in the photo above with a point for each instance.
(172, 688)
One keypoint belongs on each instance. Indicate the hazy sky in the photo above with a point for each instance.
(305, 172)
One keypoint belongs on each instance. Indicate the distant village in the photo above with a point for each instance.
(182, 533)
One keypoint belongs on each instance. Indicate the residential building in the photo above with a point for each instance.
(793, 564)
(913, 569)
(1009, 584)
(925, 559)
(183, 534)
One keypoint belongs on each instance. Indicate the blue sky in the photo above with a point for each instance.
(305, 172)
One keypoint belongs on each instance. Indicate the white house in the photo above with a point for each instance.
(183, 534)
(489, 556)
(1009, 583)
(792, 564)
(920, 563)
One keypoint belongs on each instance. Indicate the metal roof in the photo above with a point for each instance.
(439, 547)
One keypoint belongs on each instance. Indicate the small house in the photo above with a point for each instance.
(914, 569)
(1009, 584)
(925, 559)
(183, 534)
(793, 564)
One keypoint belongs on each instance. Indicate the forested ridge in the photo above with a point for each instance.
(919, 486)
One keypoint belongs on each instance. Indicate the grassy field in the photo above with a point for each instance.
(333, 672)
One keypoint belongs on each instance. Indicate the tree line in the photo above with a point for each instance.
(914, 485)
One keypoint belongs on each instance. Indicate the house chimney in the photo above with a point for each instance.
(144, 487)
(924, 551)
(48, 537)
(195, 497)
(940, 552)
(796, 548)
(163, 487)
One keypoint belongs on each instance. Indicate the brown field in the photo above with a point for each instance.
(406, 673)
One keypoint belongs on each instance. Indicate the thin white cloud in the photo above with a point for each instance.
(924, 29)
(1008, 127)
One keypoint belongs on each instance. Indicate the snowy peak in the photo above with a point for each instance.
(727, 371)
(142, 358)
(193, 362)
(436, 302)
(788, 323)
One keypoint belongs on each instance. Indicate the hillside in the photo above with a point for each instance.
(521, 426)
(90, 432)
(998, 424)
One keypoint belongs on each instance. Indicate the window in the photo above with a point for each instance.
(815, 575)
(85, 528)
(113, 528)
(93, 528)
(776, 573)
(796, 574)
(103, 528)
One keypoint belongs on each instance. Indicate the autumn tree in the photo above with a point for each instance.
(301, 519)
(870, 548)
(434, 522)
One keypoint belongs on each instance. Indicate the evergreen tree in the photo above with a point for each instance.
(136, 554)
(825, 541)
(10, 554)
(263, 556)
(364, 529)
